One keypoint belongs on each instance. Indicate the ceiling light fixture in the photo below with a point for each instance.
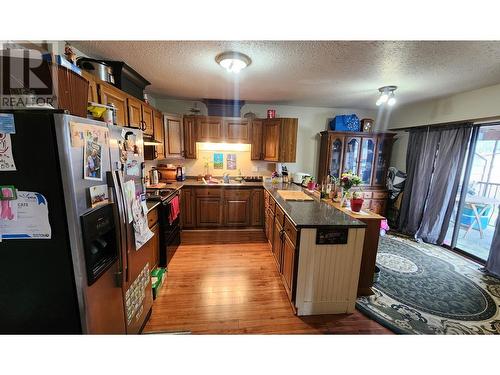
(232, 61)
(387, 95)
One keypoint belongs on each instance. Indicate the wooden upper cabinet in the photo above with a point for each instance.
(111, 95)
(92, 93)
(173, 136)
(256, 139)
(271, 136)
(210, 129)
(280, 139)
(148, 119)
(134, 113)
(159, 134)
(236, 130)
(189, 135)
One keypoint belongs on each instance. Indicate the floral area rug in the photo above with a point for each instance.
(426, 289)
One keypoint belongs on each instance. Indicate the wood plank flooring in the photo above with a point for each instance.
(235, 289)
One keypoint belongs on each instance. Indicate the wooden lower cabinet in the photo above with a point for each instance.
(283, 241)
(222, 207)
(288, 263)
(257, 209)
(237, 208)
(277, 245)
(155, 246)
(187, 208)
(208, 212)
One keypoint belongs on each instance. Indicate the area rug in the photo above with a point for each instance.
(426, 289)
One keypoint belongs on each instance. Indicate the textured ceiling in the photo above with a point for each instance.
(331, 74)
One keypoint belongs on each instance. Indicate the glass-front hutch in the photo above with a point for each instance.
(365, 153)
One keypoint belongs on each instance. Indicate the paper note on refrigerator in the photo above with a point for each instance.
(80, 134)
(129, 193)
(6, 157)
(141, 229)
(32, 218)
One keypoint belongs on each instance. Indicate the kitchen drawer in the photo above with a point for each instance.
(366, 204)
(367, 194)
(237, 194)
(290, 231)
(208, 192)
(272, 203)
(280, 215)
(152, 217)
(380, 194)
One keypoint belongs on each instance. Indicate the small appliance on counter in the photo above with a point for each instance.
(154, 176)
(284, 174)
(180, 173)
(299, 177)
(167, 172)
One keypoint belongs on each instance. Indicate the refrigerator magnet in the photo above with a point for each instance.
(92, 157)
(7, 125)
(6, 157)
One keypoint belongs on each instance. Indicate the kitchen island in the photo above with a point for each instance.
(317, 250)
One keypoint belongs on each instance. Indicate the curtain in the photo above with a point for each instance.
(434, 162)
(422, 148)
(493, 262)
(449, 160)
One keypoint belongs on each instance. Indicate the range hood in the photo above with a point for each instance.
(150, 141)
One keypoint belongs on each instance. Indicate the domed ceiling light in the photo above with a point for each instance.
(232, 61)
(387, 96)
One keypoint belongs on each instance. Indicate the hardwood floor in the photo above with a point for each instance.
(235, 289)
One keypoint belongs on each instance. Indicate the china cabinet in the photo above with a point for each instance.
(365, 153)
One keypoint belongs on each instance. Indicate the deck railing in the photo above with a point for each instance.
(489, 189)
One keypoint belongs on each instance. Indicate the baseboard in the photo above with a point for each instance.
(222, 236)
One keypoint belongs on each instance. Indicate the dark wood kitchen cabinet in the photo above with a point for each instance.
(134, 108)
(159, 134)
(237, 207)
(236, 130)
(187, 208)
(108, 94)
(277, 243)
(287, 265)
(257, 209)
(173, 136)
(208, 212)
(280, 139)
(189, 135)
(140, 115)
(210, 129)
(256, 139)
(147, 119)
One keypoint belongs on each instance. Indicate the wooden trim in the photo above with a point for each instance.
(222, 236)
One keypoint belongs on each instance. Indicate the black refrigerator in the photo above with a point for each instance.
(70, 258)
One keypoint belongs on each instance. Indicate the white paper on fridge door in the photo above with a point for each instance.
(129, 192)
(32, 218)
(6, 158)
(141, 229)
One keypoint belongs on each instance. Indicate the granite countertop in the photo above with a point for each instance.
(311, 214)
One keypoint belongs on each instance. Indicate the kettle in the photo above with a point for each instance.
(154, 176)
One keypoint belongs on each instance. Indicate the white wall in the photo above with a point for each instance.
(312, 120)
(481, 104)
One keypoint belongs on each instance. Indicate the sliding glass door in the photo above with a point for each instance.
(478, 199)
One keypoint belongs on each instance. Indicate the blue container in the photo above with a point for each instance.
(346, 123)
(468, 217)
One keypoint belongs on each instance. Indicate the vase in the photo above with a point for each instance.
(356, 204)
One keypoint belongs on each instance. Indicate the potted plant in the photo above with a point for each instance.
(349, 180)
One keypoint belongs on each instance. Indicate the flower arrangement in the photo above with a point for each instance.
(348, 180)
